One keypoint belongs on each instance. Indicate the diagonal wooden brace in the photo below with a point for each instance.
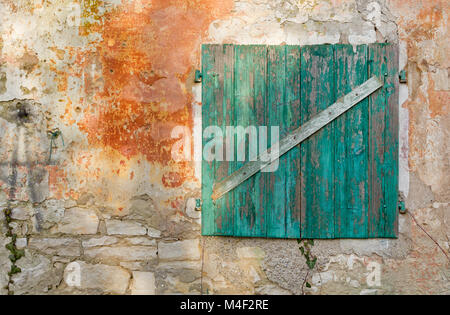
(297, 136)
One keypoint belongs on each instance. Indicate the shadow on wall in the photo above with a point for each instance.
(25, 154)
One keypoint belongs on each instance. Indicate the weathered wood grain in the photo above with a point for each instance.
(250, 107)
(293, 159)
(275, 192)
(338, 171)
(383, 212)
(392, 136)
(217, 110)
(297, 136)
(351, 146)
(209, 115)
(224, 87)
(317, 171)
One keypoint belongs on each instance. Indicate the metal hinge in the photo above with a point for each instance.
(198, 76)
(402, 77)
(401, 203)
(198, 205)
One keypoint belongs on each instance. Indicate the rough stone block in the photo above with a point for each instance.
(21, 243)
(56, 246)
(99, 241)
(54, 209)
(271, 289)
(137, 265)
(118, 227)
(19, 227)
(141, 241)
(78, 221)
(153, 232)
(108, 279)
(175, 266)
(122, 253)
(20, 213)
(143, 283)
(48, 214)
(4, 265)
(182, 250)
(37, 276)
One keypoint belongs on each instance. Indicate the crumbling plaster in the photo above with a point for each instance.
(116, 76)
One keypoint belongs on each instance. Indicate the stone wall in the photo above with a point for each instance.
(110, 212)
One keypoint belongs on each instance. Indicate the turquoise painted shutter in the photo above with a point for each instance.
(339, 183)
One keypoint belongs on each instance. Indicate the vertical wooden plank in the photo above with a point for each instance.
(292, 120)
(250, 102)
(317, 164)
(351, 146)
(217, 91)
(383, 142)
(275, 191)
(392, 136)
(224, 218)
(209, 92)
(377, 101)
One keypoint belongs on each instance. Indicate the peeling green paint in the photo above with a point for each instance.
(343, 181)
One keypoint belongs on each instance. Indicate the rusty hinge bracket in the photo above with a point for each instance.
(402, 77)
(198, 76)
(401, 203)
(198, 205)
(401, 207)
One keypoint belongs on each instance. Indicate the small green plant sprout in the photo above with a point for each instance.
(305, 246)
(15, 253)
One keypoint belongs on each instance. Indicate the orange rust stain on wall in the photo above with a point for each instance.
(57, 181)
(419, 21)
(439, 100)
(146, 57)
(172, 179)
(424, 28)
(67, 117)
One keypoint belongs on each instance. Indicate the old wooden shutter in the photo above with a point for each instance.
(339, 183)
